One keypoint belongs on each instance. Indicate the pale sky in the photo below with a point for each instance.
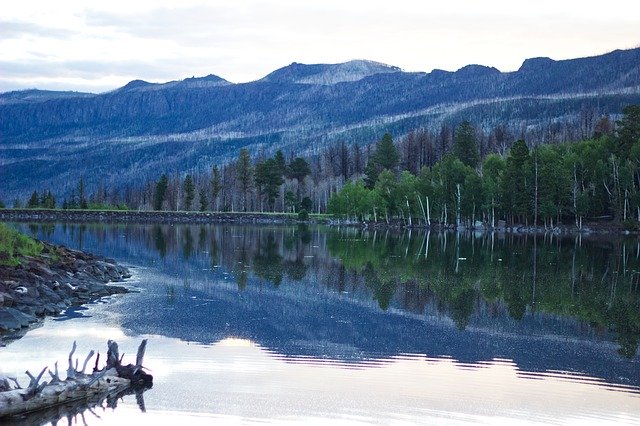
(101, 45)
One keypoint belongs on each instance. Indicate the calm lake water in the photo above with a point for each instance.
(297, 324)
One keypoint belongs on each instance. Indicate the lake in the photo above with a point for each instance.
(316, 325)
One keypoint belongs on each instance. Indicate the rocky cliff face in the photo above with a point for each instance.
(126, 134)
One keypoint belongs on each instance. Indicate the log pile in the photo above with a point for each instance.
(113, 379)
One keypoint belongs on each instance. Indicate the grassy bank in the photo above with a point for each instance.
(13, 245)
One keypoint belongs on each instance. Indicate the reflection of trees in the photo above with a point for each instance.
(187, 247)
(267, 262)
(460, 276)
(160, 241)
(383, 288)
(558, 277)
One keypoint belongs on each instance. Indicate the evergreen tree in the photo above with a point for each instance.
(281, 163)
(244, 172)
(516, 190)
(189, 192)
(628, 133)
(203, 200)
(385, 157)
(299, 169)
(386, 153)
(160, 192)
(268, 180)
(48, 200)
(82, 200)
(465, 145)
(34, 201)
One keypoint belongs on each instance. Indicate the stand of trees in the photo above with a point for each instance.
(541, 185)
(452, 175)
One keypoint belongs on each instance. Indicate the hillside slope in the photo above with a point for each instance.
(52, 138)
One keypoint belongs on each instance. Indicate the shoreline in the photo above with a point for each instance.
(143, 217)
(52, 282)
(258, 218)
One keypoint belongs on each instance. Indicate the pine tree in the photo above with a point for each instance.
(268, 180)
(628, 132)
(299, 169)
(160, 192)
(244, 172)
(34, 201)
(386, 153)
(189, 192)
(82, 200)
(281, 163)
(385, 157)
(465, 145)
(516, 190)
(203, 200)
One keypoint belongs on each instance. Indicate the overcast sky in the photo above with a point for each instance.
(100, 45)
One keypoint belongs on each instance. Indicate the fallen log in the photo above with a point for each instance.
(114, 378)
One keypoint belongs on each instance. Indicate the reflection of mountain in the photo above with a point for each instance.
(327, 326)
(471, 299)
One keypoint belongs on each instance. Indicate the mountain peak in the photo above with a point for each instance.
(327, 74)
(477, 71)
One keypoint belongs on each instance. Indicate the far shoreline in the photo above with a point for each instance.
(278, 218)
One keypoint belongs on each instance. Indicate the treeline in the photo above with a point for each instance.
(421, 163)
(544, 185)
(77, 200)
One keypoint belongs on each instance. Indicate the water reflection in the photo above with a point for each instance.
(547, 303)
(78, 411)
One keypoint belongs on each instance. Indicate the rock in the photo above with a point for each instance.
(49, 284)
(6, 299)
(13, 319)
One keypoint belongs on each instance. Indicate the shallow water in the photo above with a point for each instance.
(276, 325)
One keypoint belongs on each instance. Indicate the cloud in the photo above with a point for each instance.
(161, 40)
(18, 29)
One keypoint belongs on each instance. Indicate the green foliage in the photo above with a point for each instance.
(465, 146)
(14, 245)
(34, 201)
(628, 133)
(244, 172)
(203, 200)
(298, 169)
(107, 206)
(385, 157)
(82, 199)
(189, 192)
(516, 185)
(268, 180)
(306, 204)
(568, 279)
(2, 205)
(160, 192)
(303, 215)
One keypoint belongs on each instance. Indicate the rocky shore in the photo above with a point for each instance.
(51, 282)
(132, 216)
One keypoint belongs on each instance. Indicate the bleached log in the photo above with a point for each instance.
(113, 379)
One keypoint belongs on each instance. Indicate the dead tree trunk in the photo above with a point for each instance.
(111, 379)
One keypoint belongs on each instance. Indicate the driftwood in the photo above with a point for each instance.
(113, 379)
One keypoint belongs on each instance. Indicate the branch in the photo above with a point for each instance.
(71, 372)
(86, 361)
(140, 355)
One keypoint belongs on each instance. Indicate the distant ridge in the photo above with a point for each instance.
(133, 132)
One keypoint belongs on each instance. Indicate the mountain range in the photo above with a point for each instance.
(49, 139)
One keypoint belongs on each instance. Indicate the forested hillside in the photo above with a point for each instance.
(421, 180)
(116, 140)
